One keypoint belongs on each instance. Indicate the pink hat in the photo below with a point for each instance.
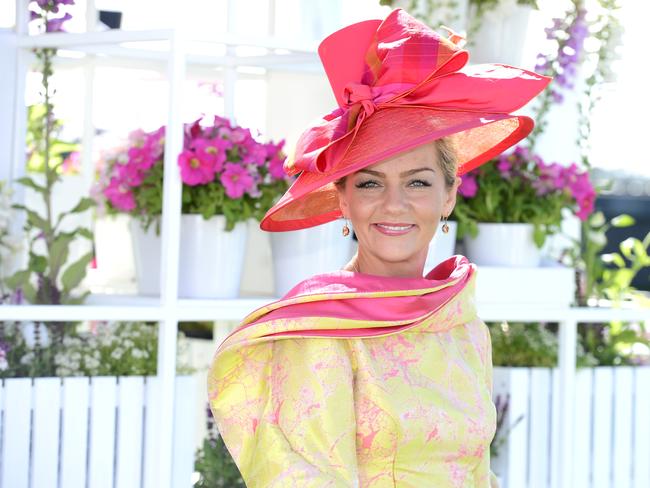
(398, 85)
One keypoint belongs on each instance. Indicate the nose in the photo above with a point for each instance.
(395, 200)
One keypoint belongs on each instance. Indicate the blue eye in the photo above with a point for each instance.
(367, 184)
(421, 183)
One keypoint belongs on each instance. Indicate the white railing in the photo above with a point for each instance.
(610, 431)
(92, 432)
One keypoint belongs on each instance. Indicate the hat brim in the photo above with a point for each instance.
(312, 199)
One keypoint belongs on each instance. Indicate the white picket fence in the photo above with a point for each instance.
(611, 427)
(91, 432)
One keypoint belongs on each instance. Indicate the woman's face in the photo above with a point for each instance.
(395, 207)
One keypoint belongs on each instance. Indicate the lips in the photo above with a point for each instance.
(393, 229)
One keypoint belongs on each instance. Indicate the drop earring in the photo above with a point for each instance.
(445, 227)
(345, 230)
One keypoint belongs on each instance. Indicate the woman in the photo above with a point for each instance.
(374, 375)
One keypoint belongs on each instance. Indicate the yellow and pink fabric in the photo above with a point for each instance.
(361, 380)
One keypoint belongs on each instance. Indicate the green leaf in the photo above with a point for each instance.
(85, 232)
(626, 247)
(37, 263)
(59, 251)
(623, 220)
(28, 182)
(539, 236)
(18, 279)
(76, 300)
(597, 219)
(83, 205)
(614, 258)
(29, 292)
(76, 272)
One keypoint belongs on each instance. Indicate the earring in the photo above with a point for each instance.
(445, 227)
(346, 230)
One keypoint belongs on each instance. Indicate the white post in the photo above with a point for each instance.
(171, 221)
(230, 71)
(567, 336)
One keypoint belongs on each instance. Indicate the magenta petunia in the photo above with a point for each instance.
(468, 186)
(212, 151)
(130, 174)
(120, 195)
(194, 169)
(141, 157)
(236, 180)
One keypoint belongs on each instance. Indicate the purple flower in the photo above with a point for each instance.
(56, 25)
(468, 186)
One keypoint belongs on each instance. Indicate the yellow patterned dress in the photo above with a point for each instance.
(355, 380)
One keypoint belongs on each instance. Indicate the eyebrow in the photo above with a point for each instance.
(405, 173)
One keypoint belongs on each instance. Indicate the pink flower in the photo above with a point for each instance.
(194, 169)
(212, 151)
(468, 186)
(276, 168)
(120, 195)
(236, 180)
(255, 154)
(141, 157)
(504, 167)
(155, 143)
(238, 135)
(129, 174)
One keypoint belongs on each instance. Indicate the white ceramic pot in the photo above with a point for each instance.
(501, 38)
(210, 262)
(113, 250)
(509, 245)
(299, 254)
(441, 247)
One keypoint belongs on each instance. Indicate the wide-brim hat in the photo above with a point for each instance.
(399, 85)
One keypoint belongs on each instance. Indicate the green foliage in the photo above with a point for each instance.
(213, 461)
(510, 200)
(85, 349)
(614, 344)
(516, 344)
(606, 275)
(59, 150)
(215, 465)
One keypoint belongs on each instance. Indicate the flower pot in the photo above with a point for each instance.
(210, 262)
(299, 254)
(441, 247)
(498, 244)
(502, 34)
(114, 253)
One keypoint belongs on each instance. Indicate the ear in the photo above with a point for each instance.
(343, 203)
(450, 199)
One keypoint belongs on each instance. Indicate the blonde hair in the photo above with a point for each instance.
(447, 159)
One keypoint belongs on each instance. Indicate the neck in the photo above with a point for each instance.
(368, 264)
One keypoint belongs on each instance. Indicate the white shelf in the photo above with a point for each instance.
(223, 51)
(132, 307)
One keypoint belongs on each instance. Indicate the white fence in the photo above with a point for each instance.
(91, 432)
(611, 427)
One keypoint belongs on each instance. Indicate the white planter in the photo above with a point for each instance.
(441, 247)
(501, 38)
(113, 250)
(210, 263)
(509, 245)
(299, 254)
